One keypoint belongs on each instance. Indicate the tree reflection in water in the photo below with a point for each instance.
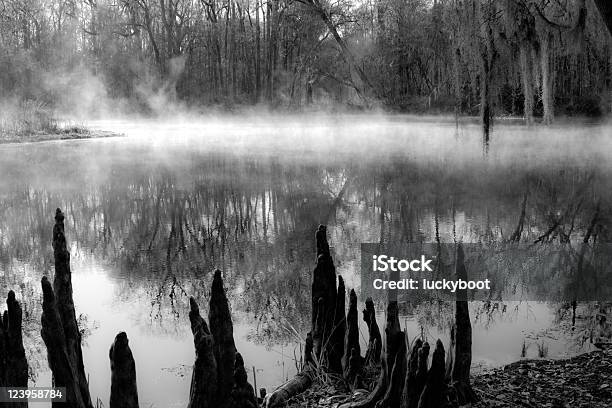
(160, 228)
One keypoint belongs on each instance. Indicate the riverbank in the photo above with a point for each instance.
(69, 133)
(584, 381)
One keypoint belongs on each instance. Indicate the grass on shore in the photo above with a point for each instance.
(33, 121)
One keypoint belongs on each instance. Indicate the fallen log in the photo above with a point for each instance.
(13, 362)
(221, 327)
(296, 385)
(203, 390)
(124, 392)
(372, 356)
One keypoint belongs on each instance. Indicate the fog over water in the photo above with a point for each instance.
(150, 215)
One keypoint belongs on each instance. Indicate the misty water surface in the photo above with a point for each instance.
(149, 216)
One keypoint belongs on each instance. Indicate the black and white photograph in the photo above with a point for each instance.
(305, 203)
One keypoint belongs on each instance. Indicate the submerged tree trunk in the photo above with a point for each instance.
(124, 392)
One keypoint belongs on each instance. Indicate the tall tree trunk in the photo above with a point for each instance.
(547, 80)
(346, 52)
(457, 83)
(258, 65)
(485, 97)
(526, 76)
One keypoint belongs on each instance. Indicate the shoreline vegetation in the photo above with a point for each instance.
(70, 133)
(34, 122)
(580, 381)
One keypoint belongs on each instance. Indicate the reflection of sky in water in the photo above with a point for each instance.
(190, 173)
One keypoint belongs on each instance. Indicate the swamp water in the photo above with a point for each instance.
(149, 216)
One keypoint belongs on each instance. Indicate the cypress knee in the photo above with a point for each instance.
(434, 394)
(351, 341)
(62, 287)
(409, 395)
(393, 395)
(463, 338)
(392, 331)
(203, 391)
(13, 362)
(324, 297)
(339, 330)
(243, 394)
(63, 368)
(124, 392)
(374, 341)
(222, 330)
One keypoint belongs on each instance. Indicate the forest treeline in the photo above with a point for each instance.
(531, 58)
